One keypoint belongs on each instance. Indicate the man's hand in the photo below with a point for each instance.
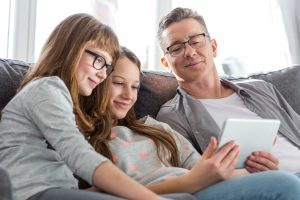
(261, 161)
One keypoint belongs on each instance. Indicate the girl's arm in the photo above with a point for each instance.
(213, 167)
(52, 112)
(107, 177)
(187, 153)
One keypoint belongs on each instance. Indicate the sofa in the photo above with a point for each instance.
(156, 88)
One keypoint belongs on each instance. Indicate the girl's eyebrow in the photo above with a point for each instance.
(118, 76)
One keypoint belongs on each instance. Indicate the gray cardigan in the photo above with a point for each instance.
(39, 116)
(188, 116)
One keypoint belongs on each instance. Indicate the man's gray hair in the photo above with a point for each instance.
(177, 15)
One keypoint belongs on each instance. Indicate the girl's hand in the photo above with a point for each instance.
(215, 165)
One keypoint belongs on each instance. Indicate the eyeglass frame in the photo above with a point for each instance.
(109, 68)
(185, 42)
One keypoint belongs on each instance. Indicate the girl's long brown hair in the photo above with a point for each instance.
(61, 55)
(167, 149)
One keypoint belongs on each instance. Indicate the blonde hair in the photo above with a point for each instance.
(61, 55)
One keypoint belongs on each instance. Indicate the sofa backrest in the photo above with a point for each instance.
(287, 81)
(157, 87)
(11, 74)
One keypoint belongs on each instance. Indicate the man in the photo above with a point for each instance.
(204, 101)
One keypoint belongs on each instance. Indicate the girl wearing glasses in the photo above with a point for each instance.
(60, 103)
(164, 161)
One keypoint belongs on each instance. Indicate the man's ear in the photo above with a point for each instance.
(214, 47)
(165, 63)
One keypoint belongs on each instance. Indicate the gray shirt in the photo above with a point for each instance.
(40, 144)
(190, 118)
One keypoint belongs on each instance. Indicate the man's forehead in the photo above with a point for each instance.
(170, 37)
(181, 30)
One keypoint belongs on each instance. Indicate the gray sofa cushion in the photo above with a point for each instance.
(157, 88)
(287, 81)
(11, 74)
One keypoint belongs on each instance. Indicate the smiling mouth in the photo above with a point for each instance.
(193, 64)
(121, 105)
(190, 64)
(93, 82)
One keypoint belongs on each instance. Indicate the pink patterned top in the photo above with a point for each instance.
(137, 156)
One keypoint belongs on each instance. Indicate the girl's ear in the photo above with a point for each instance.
(165, 63)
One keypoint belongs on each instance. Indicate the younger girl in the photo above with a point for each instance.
(41, 131)
(163, 160)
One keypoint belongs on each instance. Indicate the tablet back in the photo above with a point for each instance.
(250, 134)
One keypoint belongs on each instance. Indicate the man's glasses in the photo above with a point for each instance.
(196, 41)
(100, 62)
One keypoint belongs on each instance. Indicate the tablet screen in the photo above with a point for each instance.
(250, 134)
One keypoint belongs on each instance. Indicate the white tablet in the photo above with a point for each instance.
(250, 134)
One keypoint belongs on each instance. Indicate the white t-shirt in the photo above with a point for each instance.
(233, 107)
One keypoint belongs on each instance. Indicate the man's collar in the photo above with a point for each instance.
(238, 89)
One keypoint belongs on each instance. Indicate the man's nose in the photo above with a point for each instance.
(189, 50)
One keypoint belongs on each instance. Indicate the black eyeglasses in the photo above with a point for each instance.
(196, 41)
(100, 62)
